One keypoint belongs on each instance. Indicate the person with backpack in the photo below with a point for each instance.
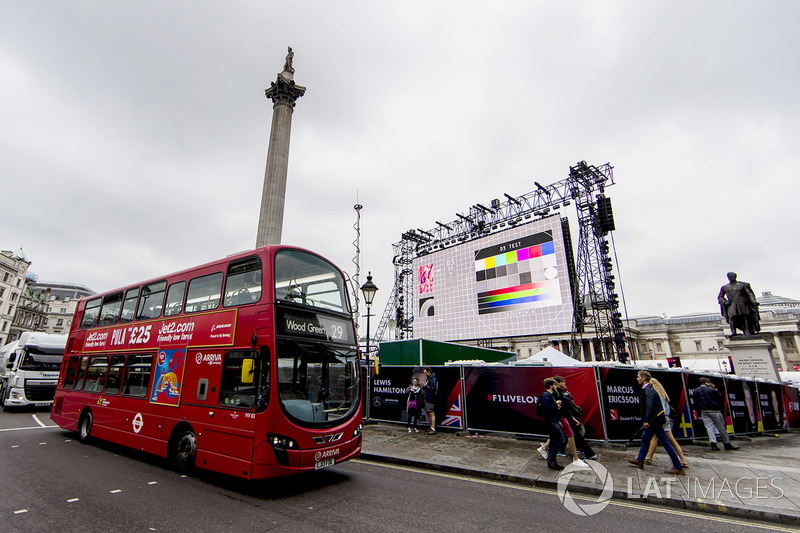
(569, 424)
(550, 410)
(653, 420)
(431, 387)
(413, 404)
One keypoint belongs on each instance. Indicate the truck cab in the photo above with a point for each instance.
(29, 371)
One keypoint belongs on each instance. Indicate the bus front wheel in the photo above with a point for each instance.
(184, 451)
(85, 427)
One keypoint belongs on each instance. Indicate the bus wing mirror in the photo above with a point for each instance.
(248, 370)
(12, 358)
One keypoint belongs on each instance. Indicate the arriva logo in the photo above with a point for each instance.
(326, 454)
(208, 358)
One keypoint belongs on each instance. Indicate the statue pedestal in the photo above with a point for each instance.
(752, 357)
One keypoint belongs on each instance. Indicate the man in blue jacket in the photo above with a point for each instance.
(550, 409)
(653, 419)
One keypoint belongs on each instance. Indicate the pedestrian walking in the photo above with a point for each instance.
(668, 411)
(708, 400)
(413, 404)
(571, 413)
(550, 410)
(431, 388)
(653, 419)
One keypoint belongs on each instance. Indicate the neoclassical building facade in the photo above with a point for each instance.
(698, 339)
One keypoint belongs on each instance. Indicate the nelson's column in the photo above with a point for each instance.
(284, 93)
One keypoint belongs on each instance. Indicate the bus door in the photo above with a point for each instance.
(232, 404)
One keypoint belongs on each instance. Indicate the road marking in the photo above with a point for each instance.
(152, 482)
(73, 500)
(618, 503)
(21, 511)
(115, 491)
(36, 418)
(15, 446)
(32, 427)
(42, 443)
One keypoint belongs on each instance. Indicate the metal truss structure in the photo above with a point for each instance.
(596, 304)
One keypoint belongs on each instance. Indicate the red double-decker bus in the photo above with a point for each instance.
(247, 366)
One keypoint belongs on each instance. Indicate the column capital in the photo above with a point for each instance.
(283, 91)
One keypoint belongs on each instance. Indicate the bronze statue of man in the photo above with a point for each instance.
(739, 306)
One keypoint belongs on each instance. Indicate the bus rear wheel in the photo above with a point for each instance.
(184, 451)
(85, 427)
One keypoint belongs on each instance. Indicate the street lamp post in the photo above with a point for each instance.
(369, 289)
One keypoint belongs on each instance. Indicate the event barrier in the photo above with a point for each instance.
(503, 399)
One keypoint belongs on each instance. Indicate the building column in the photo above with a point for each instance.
(591, 351)
(796, 343)
(668, 347)
(776, 337)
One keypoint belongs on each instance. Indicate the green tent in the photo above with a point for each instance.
(422, 352)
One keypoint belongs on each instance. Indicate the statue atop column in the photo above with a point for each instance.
(287, 66)
(288, 70)
(739, 306)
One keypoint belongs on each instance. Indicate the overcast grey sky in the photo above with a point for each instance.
(134, 134)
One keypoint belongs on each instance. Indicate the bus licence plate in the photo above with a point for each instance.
(43, 404)
(324, 463)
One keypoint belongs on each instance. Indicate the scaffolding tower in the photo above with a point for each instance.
(593, 285)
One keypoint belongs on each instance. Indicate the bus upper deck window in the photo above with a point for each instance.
(90, 313)
(129, 305)
(110, 310)
(204, 293)
(151, 301)
(243, 284)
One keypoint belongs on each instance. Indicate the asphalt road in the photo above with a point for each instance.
(51, 482)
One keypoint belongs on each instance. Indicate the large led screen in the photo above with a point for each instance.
(508, 284)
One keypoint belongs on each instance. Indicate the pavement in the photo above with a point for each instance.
(760, 481)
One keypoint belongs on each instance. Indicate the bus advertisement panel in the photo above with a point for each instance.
(247, 366)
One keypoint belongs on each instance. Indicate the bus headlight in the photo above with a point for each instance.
(281, 446)
(284, 443)
(357, 431)
(16, 395)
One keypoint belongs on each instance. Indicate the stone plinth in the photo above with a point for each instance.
(752, 357)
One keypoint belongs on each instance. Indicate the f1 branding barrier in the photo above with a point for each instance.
(503, 399)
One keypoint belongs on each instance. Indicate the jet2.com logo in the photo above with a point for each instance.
(588, 508)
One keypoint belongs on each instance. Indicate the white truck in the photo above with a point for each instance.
(29, 370)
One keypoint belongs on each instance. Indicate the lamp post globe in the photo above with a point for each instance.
(369, 289)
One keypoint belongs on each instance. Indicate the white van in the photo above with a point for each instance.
(29, 371)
